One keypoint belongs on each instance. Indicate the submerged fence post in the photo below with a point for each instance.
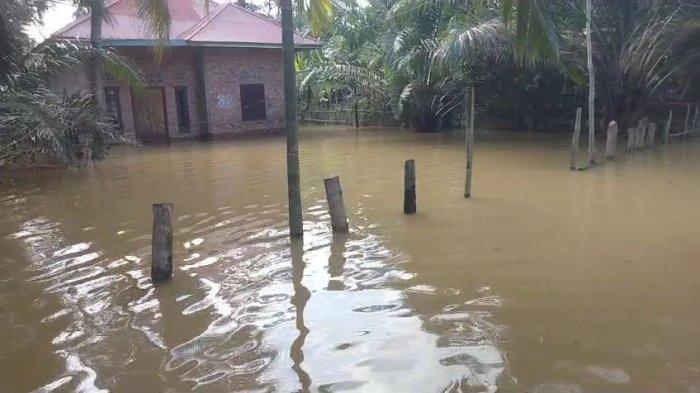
(470, 149)
(667, 128)
(575, 139)
(641, 133)
(336, 206)
(162, 242)
(695, 120)
(409, 187)
(687, 117)
(611, 144)
(631, 134)
(651, 135)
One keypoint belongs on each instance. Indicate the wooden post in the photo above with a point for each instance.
(687, 117)
(336, 207)
(470, 149)
(409, 187)
(651, 135)
(611, 144)
(357, 117)
(162, 242)
(575, 139)
(631, 134)
(641, 133)
(667, 129)
(695, 120)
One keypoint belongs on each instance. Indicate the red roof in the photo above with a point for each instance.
(226, 25)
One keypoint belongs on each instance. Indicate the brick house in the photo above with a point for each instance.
(221, 75)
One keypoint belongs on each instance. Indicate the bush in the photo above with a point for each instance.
(39, 128)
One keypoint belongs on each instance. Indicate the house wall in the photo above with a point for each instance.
(225, 69)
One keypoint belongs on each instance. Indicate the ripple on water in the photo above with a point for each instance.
(251, 305)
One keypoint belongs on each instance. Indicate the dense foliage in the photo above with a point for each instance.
(40, 127)
(43, 128)
(527, 59)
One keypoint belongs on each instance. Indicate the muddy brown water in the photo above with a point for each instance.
(546, 281)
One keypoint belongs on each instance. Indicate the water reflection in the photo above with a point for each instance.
(299, 299)
(431, 303)
(336, 262)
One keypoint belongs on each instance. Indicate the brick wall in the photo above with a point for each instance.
(225, 69)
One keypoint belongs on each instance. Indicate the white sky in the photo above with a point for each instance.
(55, 18)
(61, 14)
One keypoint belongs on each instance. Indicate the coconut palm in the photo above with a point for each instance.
(640, 46)
(350, 64)
(40, 127)
(319, 14)
(156, 19)
(435, 51)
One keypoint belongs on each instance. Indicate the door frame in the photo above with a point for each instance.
(151, 136)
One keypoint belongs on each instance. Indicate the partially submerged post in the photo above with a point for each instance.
(695, 120)
(687, 118)
(641, 133)
(667, 128)
(409, 187)
(162, 242)
(336, 207)
(651, 135)
(611, 144)
(631, 134)
(575, 139)
(470, 148)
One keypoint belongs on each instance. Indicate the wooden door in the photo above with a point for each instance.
(150, 115)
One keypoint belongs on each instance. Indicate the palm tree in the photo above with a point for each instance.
(319, 12)
(640, 46)
(421, 39)
(156, 19)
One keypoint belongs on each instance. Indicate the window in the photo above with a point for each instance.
(183, 109)
(113, 106)
(253, 102)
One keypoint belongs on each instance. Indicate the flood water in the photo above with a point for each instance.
(545, 281)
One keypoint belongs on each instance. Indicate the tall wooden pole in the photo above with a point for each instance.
(336, 206)
(591, 85)
(667, 128)
(611, 145)
(651, 135)
(575, 139)
(631, 135)
(470, 148)
(162, 242)
(296, 228)
(641, 133)
(409, 187)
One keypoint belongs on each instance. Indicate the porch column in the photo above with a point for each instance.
(201, 89)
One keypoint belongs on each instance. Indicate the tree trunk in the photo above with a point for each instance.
(290, 116)
(591, 85)
(470, 147)
(96, 18)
